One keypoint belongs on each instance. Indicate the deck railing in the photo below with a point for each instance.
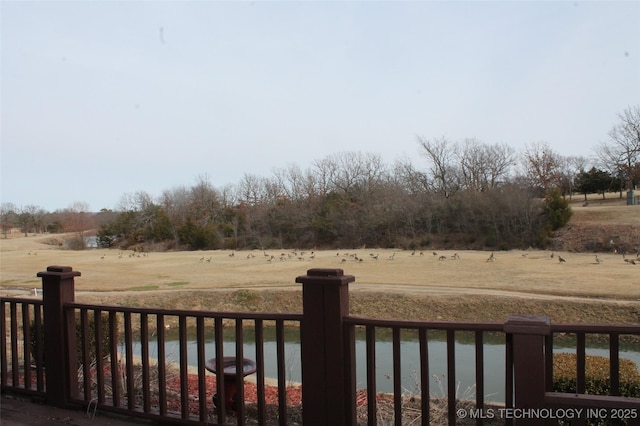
(74, 354)
(613, 407)
(142, 382)
(423, 375)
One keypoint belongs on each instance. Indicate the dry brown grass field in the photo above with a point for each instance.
(428, 284)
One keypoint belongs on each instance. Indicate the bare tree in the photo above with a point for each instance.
(365, 171)
(229, 196)
(8, 217)
(293, 183)
(135, 201)
(324, 172)
(78, 218)
(127, 202)
(348, 171)
(143, 200)
(25, 219)
(252, 190)
(204, 203)
(483, 166)
(542, 166)
(622, 154)
(440, 153)
(472, 157)
(502, 159)
(409, 178)
(570, 167)
(274, 190)
(176, 204)
(39, 220)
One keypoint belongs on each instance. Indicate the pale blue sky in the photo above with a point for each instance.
(99, 99)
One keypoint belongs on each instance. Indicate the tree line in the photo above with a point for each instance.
(348, 200)
(470, 194)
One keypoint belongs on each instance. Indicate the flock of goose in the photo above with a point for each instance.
(348, 256)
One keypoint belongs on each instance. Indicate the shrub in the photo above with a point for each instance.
(597, 379)
(76, 242)
(556, 210)
(106, 339)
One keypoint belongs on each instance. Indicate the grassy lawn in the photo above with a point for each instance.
(432, 284)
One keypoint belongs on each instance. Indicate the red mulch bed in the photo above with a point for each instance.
(294, 393)
(174, 405)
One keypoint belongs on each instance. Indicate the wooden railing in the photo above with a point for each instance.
(422, 329)
(614, 408)
(97, 366)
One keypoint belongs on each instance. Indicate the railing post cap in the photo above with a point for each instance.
(59, 271)
(325, 275)
(528, 324)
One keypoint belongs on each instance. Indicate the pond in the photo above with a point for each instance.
(494, 358)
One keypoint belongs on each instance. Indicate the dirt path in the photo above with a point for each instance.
(406, 289)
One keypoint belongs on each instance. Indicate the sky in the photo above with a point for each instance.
(99, 99)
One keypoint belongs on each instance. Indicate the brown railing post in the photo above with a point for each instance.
(58, 288)
(528, 337)
(325, 302)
